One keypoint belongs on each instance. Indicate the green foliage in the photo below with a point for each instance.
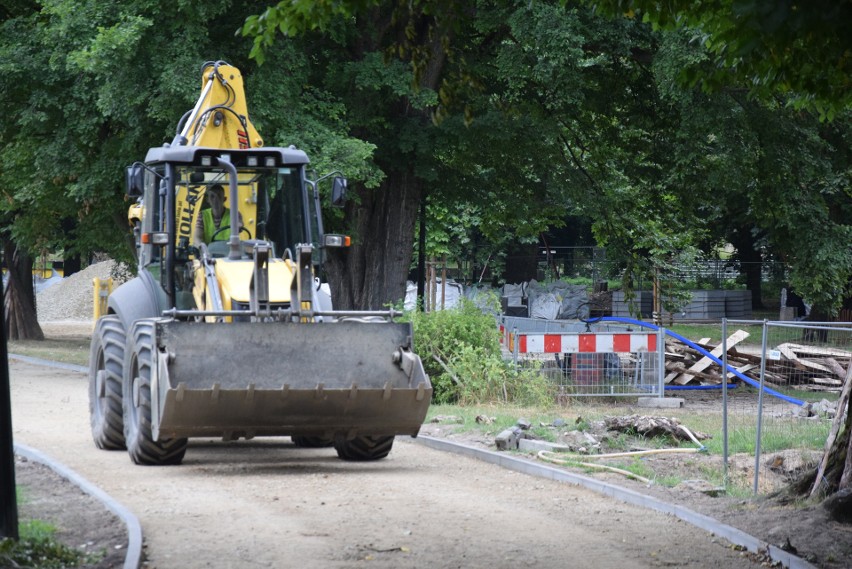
(467, 342)
(574, 114)
(793, 49)
(38, 549)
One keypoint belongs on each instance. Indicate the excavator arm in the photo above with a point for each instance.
(219, 118)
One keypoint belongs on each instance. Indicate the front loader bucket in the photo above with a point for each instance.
(280, 378)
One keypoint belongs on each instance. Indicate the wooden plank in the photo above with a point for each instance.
(827, 381)
(787, 352)
(679, 369)
(741, 369)
(671, 376)
(808, 365)
(706, 362)
(835, 366)
(815, 388)
(814, 351)
(744, 357)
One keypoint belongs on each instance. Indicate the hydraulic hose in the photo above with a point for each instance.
(701, 350)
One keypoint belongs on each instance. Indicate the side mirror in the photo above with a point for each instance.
(134, 178)
(338, 191)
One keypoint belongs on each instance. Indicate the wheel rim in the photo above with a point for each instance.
(134, 394)
(100, 387)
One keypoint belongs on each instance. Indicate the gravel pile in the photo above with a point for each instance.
(72, 297)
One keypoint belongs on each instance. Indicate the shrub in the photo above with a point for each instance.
(471, 369)
(38, 549)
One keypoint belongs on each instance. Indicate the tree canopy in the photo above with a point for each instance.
(799, 50)
(507, 118)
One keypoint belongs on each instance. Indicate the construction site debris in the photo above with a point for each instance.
(580, 442)
(535, 445)
(650, 426)
(508, 439)
(447, 419)
(805, 368)
(703, 487)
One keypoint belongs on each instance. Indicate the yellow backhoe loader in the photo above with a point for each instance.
(233, 335)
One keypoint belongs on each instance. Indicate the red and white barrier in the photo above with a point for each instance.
(583, 343)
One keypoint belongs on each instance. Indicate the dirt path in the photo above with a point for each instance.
(268, 504)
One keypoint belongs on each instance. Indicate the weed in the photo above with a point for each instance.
(635, 466)
(38, 549)
(461, 353)
(668, 480)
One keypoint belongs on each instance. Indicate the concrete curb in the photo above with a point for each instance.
(48, 363)
(133, 558)
(701, 521)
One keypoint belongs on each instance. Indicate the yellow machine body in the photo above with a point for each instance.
(235, 337)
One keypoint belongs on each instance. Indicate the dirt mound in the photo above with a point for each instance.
(73, 298)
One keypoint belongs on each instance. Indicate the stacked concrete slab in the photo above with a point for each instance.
(703, 305)
(642, 304)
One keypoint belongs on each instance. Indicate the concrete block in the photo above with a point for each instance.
(532, 445)
(660, 402)
(508, 439)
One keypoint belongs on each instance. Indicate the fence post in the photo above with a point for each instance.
(8, 503)
(515, 343)
(661, 361)
(725, 403)
(760, 405)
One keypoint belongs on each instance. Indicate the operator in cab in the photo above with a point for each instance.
(214, 218)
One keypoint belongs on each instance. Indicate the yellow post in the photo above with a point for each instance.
(103, 288)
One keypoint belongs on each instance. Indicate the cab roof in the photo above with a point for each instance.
(192, 155)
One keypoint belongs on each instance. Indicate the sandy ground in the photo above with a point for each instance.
(268, 504)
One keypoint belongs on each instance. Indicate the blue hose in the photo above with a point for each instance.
(695, 346)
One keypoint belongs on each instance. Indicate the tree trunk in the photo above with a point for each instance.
(522, 263)
(836, 480)
(372, 272)
(751, 266)
(19, 296)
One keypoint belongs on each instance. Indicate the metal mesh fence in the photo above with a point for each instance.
(769, 419)
(604, 374)
(778, 422)
(584, 361)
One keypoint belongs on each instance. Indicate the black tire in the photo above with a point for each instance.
(141, 446)
(106, 365)
(312, 442)
(363, 448)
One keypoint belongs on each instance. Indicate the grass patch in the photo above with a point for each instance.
(38, 548)
(778, 434)
(504, 416)
(65, 350)
(775, 436)
(635, 466)
(696, 332)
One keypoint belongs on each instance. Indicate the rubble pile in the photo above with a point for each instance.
(802, 367)
(72, 298)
